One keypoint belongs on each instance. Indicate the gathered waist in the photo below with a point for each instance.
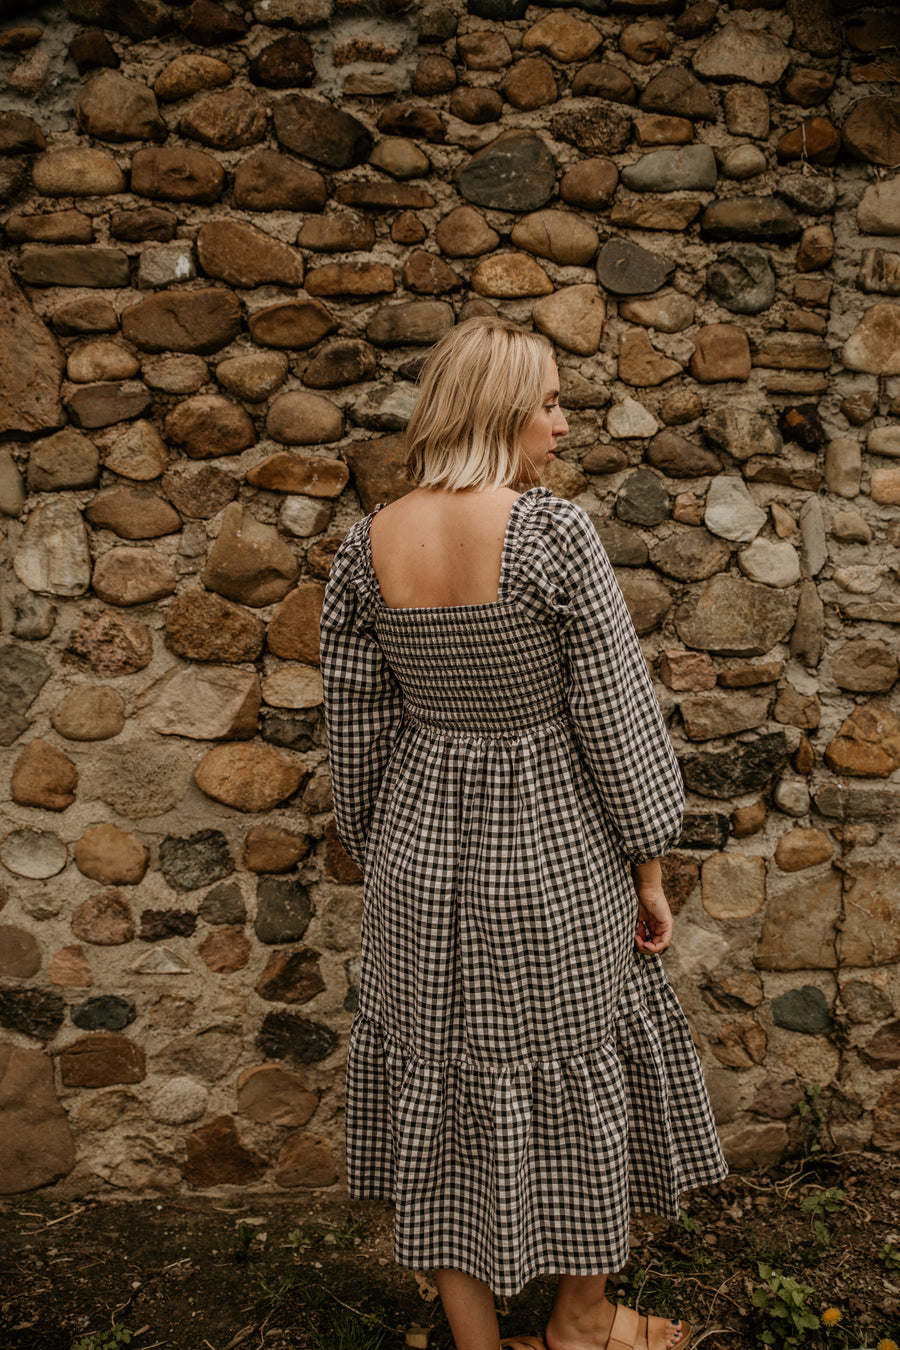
(496, 727)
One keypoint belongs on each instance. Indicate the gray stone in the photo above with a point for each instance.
(22, 676)
(804, 1010)
(107, 1012)
(516, 172)
(167, 265)
(53, 556)
(33, 616)
(282, 911)
(642, 499)
(772, 562)
(880, 272)
(178, 1101)
(624, 268)
(731, 512)
(195, 861)
(879, 209)
(223, 904)
(692, 168)
(811, 194)
(743, 162)
(36, 854)
(734, 617)
(741, 279)
(812, 534)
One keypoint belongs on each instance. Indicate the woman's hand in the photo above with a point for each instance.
(655, 924)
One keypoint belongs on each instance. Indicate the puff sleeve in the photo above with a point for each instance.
(363, 701)
(616, 718)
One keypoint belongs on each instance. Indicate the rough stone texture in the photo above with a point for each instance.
(248, 777)
(248, 562)
(36, 1143)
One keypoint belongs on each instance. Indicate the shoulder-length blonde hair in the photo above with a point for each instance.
(478, 388)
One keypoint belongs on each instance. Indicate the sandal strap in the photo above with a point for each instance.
(625, 1328)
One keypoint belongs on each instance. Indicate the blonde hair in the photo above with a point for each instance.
(478, 388)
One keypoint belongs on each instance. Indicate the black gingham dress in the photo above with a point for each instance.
(519, 1077)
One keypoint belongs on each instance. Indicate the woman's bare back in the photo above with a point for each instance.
(435, 549)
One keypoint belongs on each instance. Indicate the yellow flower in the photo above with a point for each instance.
(831, 1317)
(887, 1344)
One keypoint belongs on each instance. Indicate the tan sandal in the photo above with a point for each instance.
(626, 1328)
(523, 1343)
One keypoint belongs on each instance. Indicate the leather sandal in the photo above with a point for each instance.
(523, 1343)
(626, 1328)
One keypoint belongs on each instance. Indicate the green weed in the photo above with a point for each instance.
(817, 1207)
(105, 1340)
(785, 1316)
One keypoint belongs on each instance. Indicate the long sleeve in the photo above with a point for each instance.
(363, 703)
(617, 720)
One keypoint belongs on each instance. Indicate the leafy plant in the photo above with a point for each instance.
(105, 1340)
(889, 1256)
(241, 1240)
(817, 1207)
(783, 1302)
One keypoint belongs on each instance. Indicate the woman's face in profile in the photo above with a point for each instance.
(546, 424)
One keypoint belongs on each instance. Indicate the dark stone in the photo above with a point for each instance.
(600, 80)
(344, 361)
(158, 924)
(642, 499)
(284, 64)
(704, 830)
(677, 92)
(283, 909)
(196, 861)
(33, 1012)
(624, 268)
(883, 1050)
(743, 768)
(102, 405)
(224, 904)
(516, 172)
(137, 19)
(437, 23)
(198, 322)
(177, 174)
(320, 132)
(409, 119)
(212, 25)
(291, 977)
(476, 106)
(146, 223)
(741, 280)
(284, 1035)
(750, 218)
(22, 676)
(65, 265)
(802, 426)
(92, 50)
(352, 967)
(595, 126)
(498, 9)
(677, 457)
(804, 1010)
(292, 732)
(20, 135)
(108, 1012)
(623, 547)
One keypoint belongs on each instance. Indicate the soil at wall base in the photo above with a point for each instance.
(315, 1273)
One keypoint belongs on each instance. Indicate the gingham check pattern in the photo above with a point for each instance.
(519, 1079)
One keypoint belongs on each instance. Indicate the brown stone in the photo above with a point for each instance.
(31, 365)
(344, 361)
(870, 933)
(68, 968)
(640, 363)
(301, 418)
(133, 513)
(675, 90)
(691, 671)
(294, 629)
(427, 274)
(215, 1155)
(465, 233)
(589, 184)
(657, 129)
(668, 312)
(574, 317)
(816, 141)
(337, 233)
(355, 280)
(321, 132)
(57, 227)
(603, 459)
(188, 321)
(225, 950)
(151, 223)
(379, 469)
(248, 777)
(801, 848)
(242, 255)
(794, 709)
(291, 976)
(417, 323)
(530, 85)
(291, 324)
(177, 174)
(339, 866)
(100, 1059)
(746, 677)
(101, 405)
(747, 111)
(484, 50)
(274, 1096)
(563, 36)
(871, 131)
(747, 820)
(407, 228)
(433, 75)
(476, 106)
(111, 856)
(800, 926)
(249, 562)
(740, 1045)
(285, 472)
(414, 121)
(721, 352)
(268, 848)
(509, 276)
(678, 457)
(225, 120)
(560, 236)
(808, 87)
(110, 107)
(600, 80)
(20, 953)
(190, 73)
(210, 425)
(36, 1145)
(816, 248)
(44, 777)
(384, 196)
(867, 744)
(864, 665)
(66, 460)
(645, 41)
(305, 1160)
(286, 63)
(204, 627)
(104, 920)
(89, 713)
(109, 644)
(267, 181)
(200, 493)
(793, 352)
(89, 314)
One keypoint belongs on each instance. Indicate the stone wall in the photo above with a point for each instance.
(229, 234)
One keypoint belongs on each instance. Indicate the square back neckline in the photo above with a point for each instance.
(487, 605)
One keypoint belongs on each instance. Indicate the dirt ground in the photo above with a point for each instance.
(304, 1272)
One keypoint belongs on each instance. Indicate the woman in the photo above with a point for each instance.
(520, 1074)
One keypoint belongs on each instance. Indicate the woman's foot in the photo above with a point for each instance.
(593, 1329)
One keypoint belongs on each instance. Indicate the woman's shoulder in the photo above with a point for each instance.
(555, 520)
